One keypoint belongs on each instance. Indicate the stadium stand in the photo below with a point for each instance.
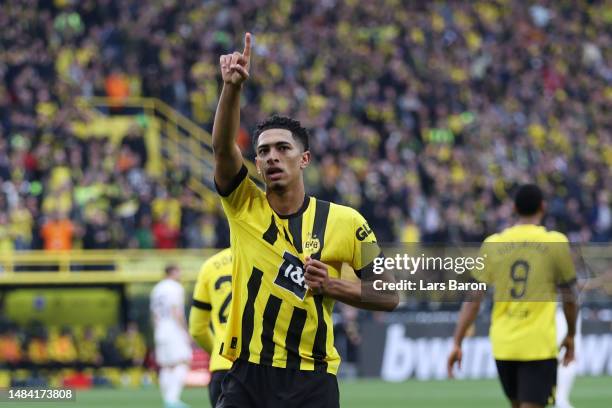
(427, 113)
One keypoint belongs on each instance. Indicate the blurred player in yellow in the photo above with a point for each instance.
(527, 265)
(211, 300)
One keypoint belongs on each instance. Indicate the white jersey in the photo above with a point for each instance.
(172, 342)
(167, 296)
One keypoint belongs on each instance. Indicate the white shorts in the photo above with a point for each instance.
(172, 351)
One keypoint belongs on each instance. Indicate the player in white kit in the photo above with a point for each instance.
(172, 340)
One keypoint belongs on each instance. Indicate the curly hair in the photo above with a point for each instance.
(283, 122)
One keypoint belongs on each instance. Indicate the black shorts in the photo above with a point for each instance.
(249, 385)
(529, 381)
(214, 386)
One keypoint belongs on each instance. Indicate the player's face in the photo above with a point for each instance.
(280, 158)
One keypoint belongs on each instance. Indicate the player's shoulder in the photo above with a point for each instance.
(533, 233)
(556, 236)
(497, 237)
(164, 287)
(347, 220)
(344, 213)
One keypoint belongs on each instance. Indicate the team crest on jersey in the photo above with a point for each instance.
(291, 275)
(312, 244)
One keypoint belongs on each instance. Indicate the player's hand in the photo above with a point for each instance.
(568, 345)
(316, 276)
(235, 66)
(455, 356)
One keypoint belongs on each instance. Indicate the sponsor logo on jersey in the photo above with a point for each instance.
(291, 275)
(363, 232)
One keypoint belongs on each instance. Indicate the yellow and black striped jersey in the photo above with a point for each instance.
(526, 264)
(212, 296)
(274, 319)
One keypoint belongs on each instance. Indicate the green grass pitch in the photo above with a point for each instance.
(589, 392)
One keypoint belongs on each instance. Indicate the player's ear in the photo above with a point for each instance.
(305, 159)
(257, 165)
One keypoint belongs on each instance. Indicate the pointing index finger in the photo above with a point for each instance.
(247, 46)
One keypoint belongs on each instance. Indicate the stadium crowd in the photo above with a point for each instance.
(424, 115)
(41, 346)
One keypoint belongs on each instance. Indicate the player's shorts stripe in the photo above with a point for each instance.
(272, 232)
(249, 311)
(201, 305)
(267, 333)
(320, 340)
(294, 334)
(295, 228)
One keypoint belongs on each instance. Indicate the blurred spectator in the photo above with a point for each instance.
(111, 356)
(144, 234)
(602, 216)
(87, 347)
(97, 232)
(22, 224)
(132, 345)
(58, 232)
(38, 349)
(7, 234)
(164, 206)
(62, 349)
(10, 348)
(165, 235)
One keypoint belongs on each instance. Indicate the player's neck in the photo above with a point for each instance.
(288, 201)
(533, 220)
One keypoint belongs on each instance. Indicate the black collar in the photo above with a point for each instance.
(299, 212)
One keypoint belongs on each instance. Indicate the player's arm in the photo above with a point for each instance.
(177, 309)
(201, 310)
(179, 315)
(566, 284)
(348, 292)
(199, 326)
(467, 317)
(228, 158)
(362, 249)
(570, 310)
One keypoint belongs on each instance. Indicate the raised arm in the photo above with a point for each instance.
(228, 158)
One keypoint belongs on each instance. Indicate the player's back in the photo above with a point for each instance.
(526, 264)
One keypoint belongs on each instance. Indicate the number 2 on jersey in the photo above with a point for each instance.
(519, 272)
(226, 301)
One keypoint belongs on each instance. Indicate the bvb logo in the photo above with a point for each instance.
(312, 245)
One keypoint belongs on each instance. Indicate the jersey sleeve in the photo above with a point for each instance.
(364, 248)
(240, 195)
(200, 313)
